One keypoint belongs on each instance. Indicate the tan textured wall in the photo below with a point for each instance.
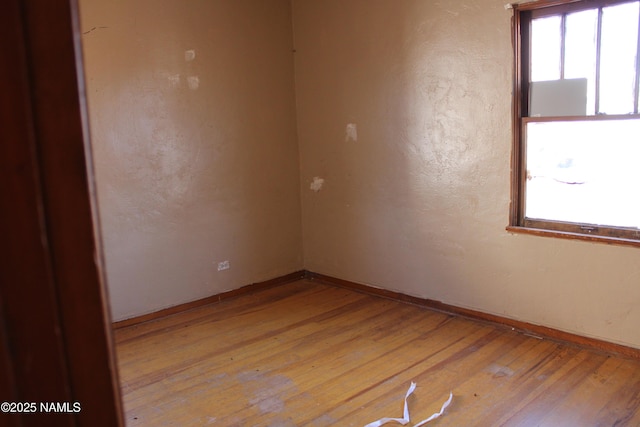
(419, 202)
(192, 115)
(197, 163)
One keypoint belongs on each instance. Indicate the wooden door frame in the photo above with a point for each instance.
(55, 327)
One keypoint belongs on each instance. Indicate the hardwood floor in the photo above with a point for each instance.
(305, 353)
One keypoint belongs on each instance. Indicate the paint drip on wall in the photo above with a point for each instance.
(316, 184)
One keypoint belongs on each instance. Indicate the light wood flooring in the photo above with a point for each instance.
(305, 353)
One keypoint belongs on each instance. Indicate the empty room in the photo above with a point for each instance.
(336, 212)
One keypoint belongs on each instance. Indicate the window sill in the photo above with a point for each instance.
(572, 236)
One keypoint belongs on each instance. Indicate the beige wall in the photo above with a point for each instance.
(419, 203)
(195, 152)
(193, 172)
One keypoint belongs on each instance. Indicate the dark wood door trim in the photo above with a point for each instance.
(56, 335)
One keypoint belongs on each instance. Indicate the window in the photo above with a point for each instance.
(576, 157)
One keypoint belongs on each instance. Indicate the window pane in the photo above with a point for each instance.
(618, 58)
(545, 49)
(583, 171)
(580, 51)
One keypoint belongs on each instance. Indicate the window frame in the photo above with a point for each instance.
(523, 15)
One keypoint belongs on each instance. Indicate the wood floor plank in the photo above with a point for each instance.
(583, 400)
(306, 353)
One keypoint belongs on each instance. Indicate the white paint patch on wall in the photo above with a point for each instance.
(189, 55)
(174, 80)
(351, 132)
(316, 184)
(193, 82)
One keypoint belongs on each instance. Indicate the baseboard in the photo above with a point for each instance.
(524, 327)
(292, 277)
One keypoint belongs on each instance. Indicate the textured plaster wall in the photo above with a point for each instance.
(404, 140)
(192, 117)
(404, 126)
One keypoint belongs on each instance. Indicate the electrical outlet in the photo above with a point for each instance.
(224, 265)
